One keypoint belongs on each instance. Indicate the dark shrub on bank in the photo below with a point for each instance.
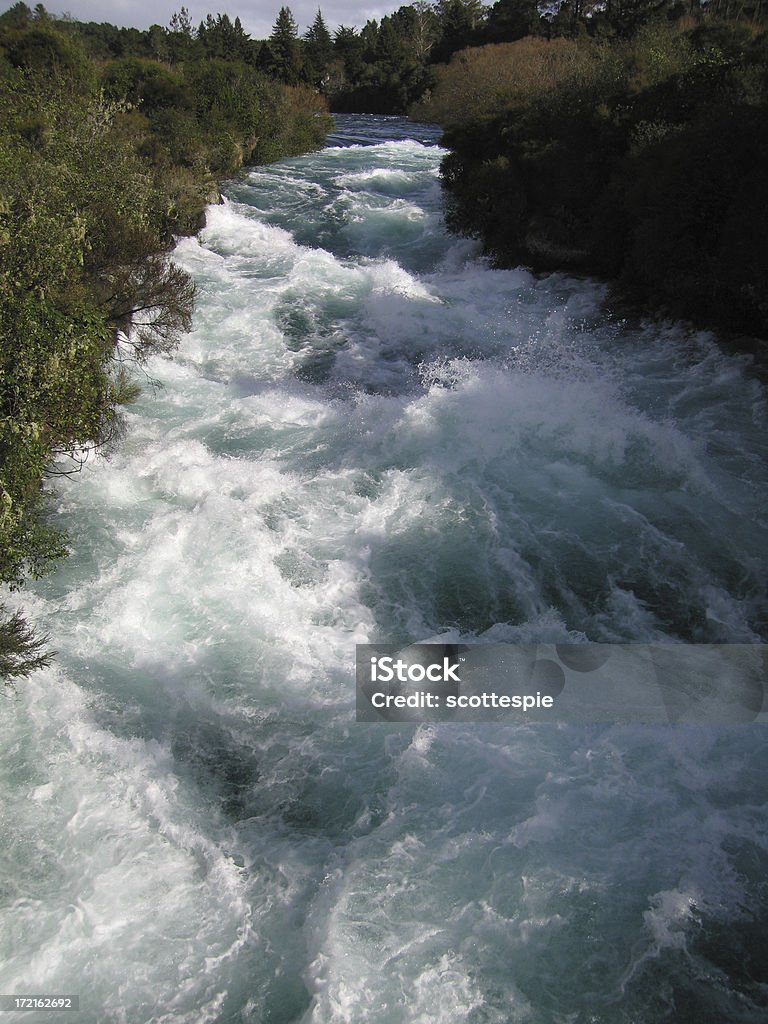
(647, 163)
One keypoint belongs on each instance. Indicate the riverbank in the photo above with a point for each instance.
(104, 164)
(643, 162)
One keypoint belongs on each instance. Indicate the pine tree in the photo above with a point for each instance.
(181, 22)
(220, 38)
(509, 20)
(318, 51)
(458, 20)
(348, 47)
(284, 58)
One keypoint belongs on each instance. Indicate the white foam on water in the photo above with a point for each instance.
(386, 180)
(390, 442)
(126, 868)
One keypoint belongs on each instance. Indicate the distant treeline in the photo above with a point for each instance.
(103, 159)
(388, 64)
(641, 156)
(625, 138)
(381, 68)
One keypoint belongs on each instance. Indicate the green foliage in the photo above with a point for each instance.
(385, 68)
(211, 116)
(318, 51)
(99, 169)
(683, 223)
(645, 161)
(144, 83)
(459, 20)
(220, 37)
(392, 64)
(483, 82)
(21, 652)
(17, 16)
(282, 55)
(82, 257)
(509, 20)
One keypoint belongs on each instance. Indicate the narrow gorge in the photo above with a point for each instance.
(372, 435)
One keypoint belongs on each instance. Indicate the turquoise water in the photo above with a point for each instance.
(371, 435)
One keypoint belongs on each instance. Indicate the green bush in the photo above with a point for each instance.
(648, 165)
(98, 172)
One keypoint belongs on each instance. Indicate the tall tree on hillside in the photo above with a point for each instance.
(18, 16)
(318, 51)
(348, 48)
(423, 28)
(221, 38)
(157, 43)
(282, 56)
(369, 36)
(459, 21)
(509, 20)
(181, 37)
(390, 45)
(182, 23)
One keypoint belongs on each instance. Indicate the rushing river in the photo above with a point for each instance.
(371, 435)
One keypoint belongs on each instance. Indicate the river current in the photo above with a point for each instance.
(371, 435)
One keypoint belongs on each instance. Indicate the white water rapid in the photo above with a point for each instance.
(371, 435)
